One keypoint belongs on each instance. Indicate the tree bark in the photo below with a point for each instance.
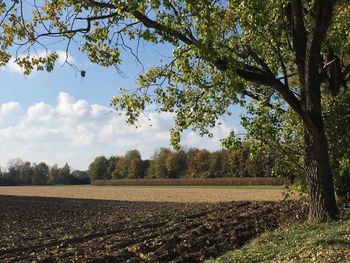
(323, 205)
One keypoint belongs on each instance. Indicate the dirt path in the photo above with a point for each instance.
(139, 193)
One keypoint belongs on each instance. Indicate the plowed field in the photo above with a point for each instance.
(43, 229)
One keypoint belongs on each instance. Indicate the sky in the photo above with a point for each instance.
(60, 117)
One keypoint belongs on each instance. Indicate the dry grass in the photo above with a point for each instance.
(139, 193)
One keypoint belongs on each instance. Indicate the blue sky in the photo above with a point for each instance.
(59, 117)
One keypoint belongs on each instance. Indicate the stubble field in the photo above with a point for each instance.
(156, 194)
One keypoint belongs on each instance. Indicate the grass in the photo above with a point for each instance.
(302, 243)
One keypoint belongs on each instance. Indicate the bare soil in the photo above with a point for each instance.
(38, 229)
(140, 193)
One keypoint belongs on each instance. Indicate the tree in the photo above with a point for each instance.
(119, 170)
(157, 168)
(54, 175)
(280, 134)
(98, 169)
(215, 164)
(112, 161)
(135, 169)
(60, 175)
(192, 169)
(64, 174)
(130, 165)
(133, 164)
(80, 177)
(176, 164)
(26, 173)
(40, 174)
(269, 51)
(14, 170)
(337, 123)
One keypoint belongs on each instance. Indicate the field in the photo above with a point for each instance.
(42, 229)
(228, 181)
(153, 193)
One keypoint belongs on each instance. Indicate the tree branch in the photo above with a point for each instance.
(102, 4)
(80, 30)
(147, 22)
(257, 76)
(259, 61)
(257, 97)
(321, 19)
(299, 37)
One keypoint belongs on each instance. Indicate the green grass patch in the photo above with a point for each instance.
(324, 242)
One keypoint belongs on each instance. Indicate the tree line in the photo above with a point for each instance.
(192, 163)
(20, 172)
(240, 161)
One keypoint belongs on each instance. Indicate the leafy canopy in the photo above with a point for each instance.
(224, 51)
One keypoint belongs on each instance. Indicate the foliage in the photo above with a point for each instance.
(193, 163)
(337, 121)
(40, 174)
(82, 177)
(98, 169)
(198, 163)
(216, 46)
(279, 133)
(157, 167)
(25, 173)
(129, 166)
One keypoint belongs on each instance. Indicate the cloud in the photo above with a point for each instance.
(13, 67)
(9, 107)
(220, 131)
(76, 131)
(9, 110)
(63, 56)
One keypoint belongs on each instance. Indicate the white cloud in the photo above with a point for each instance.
(12, 67)
(220, 131)
(39, 112)
(63, 56)
(75, 131)
(9, 110)
(9, 107)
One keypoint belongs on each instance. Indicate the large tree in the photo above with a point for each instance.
(99, 169)
(224, 52)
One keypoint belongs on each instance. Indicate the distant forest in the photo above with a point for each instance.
(192, 163)
(20, 172)
(164, 163)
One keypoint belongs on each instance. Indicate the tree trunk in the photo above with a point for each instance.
(319, 175)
